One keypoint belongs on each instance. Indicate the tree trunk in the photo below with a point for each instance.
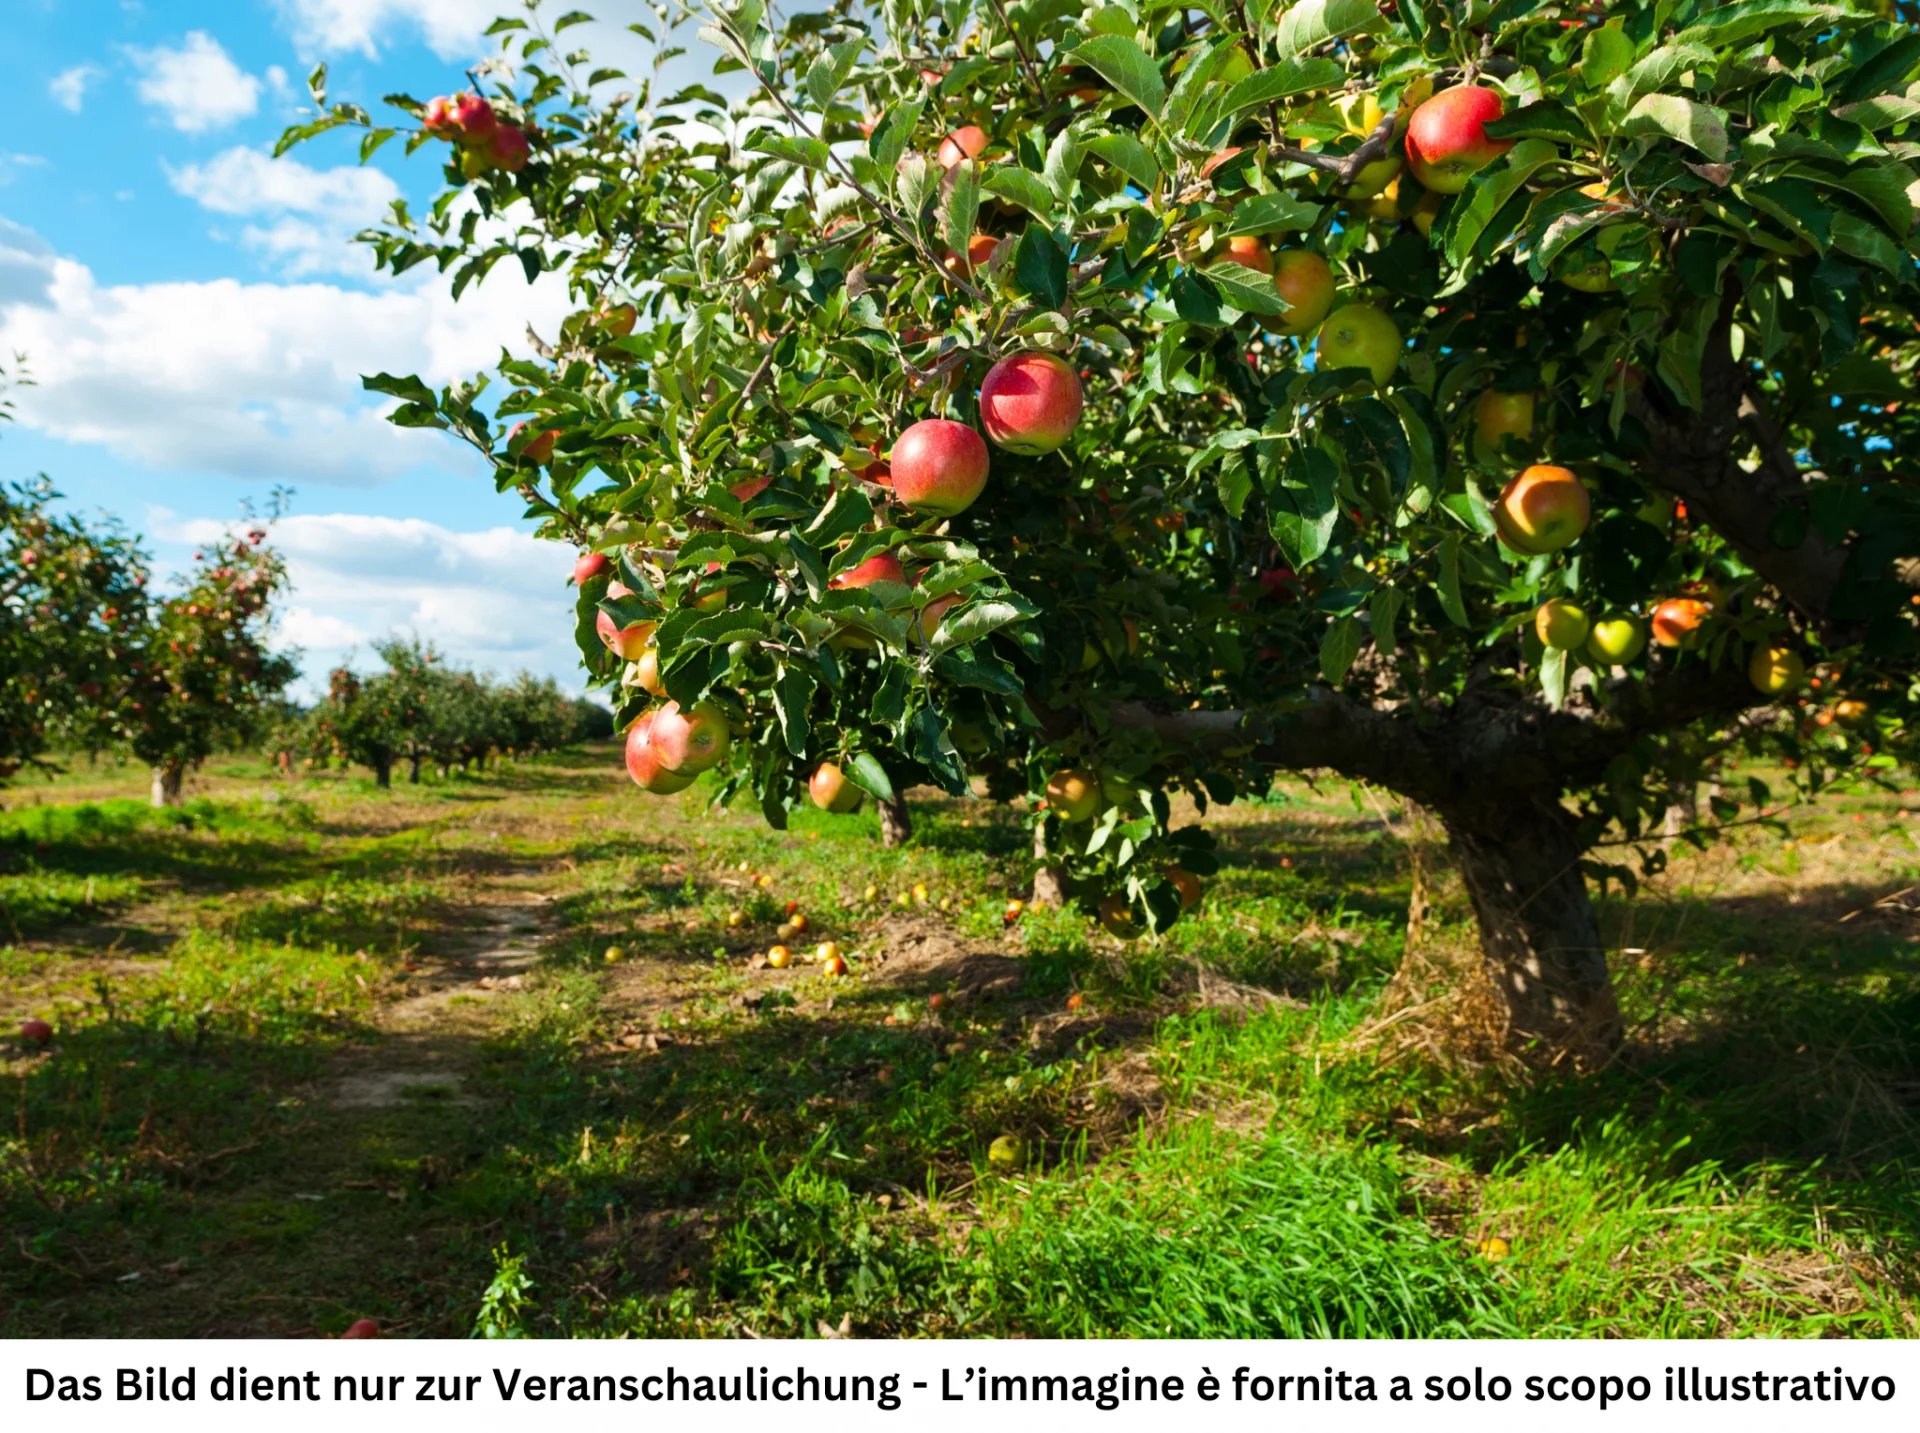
(413, 769)
(383, 772)
(1520, 861)
(896, 823)
(1049, 883)
(166, 784)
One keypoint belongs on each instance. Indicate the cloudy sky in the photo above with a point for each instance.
(196, 322)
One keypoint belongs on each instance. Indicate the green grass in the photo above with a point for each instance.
(686, 1143)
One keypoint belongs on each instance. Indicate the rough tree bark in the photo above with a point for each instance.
(166, 784)
(1538, 932)
(896, 822)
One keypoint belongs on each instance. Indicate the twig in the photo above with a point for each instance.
(1344, 167)
(1020, 49)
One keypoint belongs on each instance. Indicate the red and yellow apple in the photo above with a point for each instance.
(645, 765)
(1305, 281)
(830, 790)
(589, 565)
(967, 142)
(629, 641)
(1248, 252)
(1116, 914)
(535, 449)
(690, 742)
(1447, 141)
(1676, 622)
(1542, 510)
(881, 567)
(1030, 402)
(1188, 884)
(939, 467)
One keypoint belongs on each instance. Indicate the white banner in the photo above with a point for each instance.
(420, 1386)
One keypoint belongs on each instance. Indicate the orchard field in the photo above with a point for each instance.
(325, 1052)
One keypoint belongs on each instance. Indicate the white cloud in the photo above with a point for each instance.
(12, 164)
(198, 85)
(69, 87)
(494, 600)
(249, 182)
(257, 380)
(452, 29)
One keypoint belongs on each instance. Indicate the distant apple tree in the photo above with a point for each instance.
(1364, 385)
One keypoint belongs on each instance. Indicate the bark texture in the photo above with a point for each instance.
(166, 784)
(896, 822)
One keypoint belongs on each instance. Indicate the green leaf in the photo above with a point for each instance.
(1019, 186)
(1854, 236)
(1129, 156)
(830, 69)
(1699, 126)
(1725, 26)
(870, 776)
(1604, 55)
(1271, 213)
(894, 132)
(1313, 23)
(1063, 163)
(1382, 613)
(792, 695)
(1881, 112)
(1339, 647)
(1278, 81)
(960, 207)
(973, 622)
(1246, 289)
(1040, 266)
(1304, 505)
(1554, 671)
(1492, 188)
(1120, 61)
(796, 149)
(1448, 586)
(1656, 71)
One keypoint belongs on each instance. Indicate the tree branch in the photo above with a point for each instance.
(1344, 167)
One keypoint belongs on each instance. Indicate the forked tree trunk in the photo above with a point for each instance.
(1538, 932)
(896, 823)
(166, 784)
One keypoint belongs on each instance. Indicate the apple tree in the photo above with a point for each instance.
(1509, 405)
(196, 675)
(69, 588)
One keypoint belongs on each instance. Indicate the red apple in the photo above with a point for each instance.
(362, 1328)
(438, 117)
(589, 565)
(1305, 281)
(1499, 416)
(1676, 622)
(1188, 884)
(537, 449)
(1280, 582)
(1030, 403)
(628, 641)
(881, 567)
(979, 254)
(928, 622)
(1542, 510)
(939, 467)
(693, 741)
(473, 115)
(966, 142)
(644, 763)
(647, 671)
(36, 1032)
(1447, 141)
(829, 789)
(1249, 253)
(509, 147)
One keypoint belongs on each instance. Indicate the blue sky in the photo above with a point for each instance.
(197, 322)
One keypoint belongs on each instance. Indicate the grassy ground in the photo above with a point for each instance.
(325, 1052)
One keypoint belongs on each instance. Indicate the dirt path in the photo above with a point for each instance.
(428, 1039)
